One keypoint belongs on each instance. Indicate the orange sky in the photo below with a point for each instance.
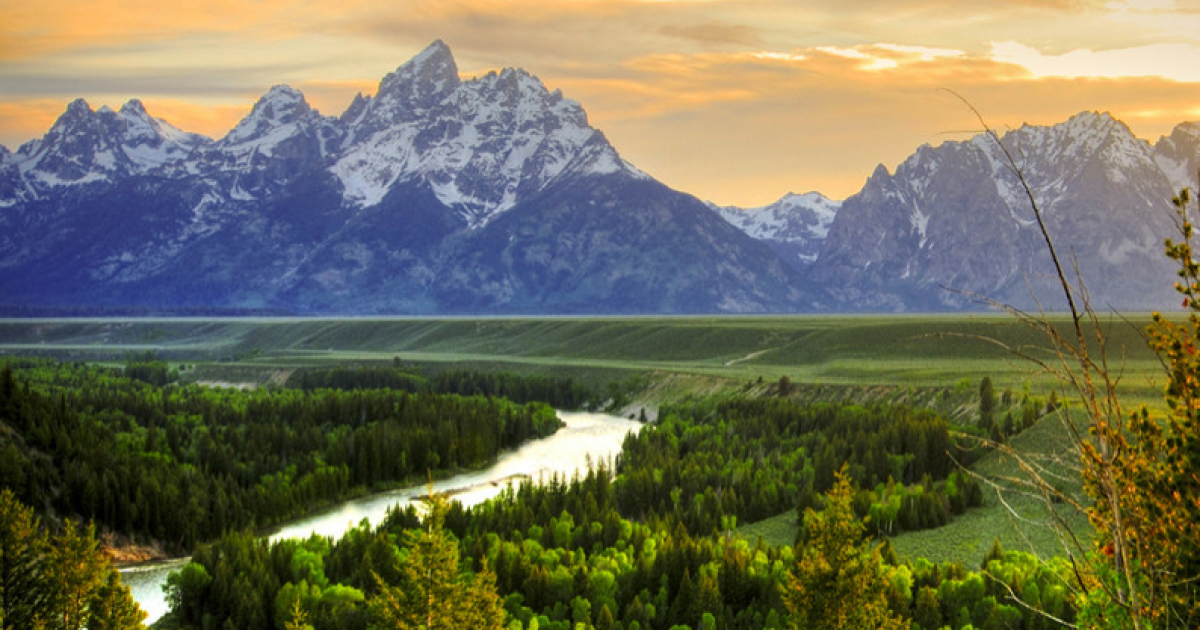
(737, 102)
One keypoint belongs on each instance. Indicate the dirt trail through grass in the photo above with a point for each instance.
(749, 357)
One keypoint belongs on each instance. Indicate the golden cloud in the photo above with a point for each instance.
(51, 26)
(736, 101)
(1177, 61)
(822, 119)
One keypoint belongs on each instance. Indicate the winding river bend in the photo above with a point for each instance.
(586, 436)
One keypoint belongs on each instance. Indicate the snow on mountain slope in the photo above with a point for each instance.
(495, 195)
(480, 145)
(85, 146)
(1178, 155)
(281, 138)
(150, 142)
(795, 225)
(954, 220)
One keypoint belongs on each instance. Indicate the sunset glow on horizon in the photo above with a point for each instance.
(735, 101)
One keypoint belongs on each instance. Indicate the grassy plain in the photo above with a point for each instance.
(893, 350)
(923, 360)
(1018, 519)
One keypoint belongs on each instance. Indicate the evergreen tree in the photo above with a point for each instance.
(74, 570)
(838, 580)
(432, 593)
(299, 618)
(60, 581)
(113, 607)
(927, 613)
(604, 621)
(987, 403)
(995, 553)
(23, 599)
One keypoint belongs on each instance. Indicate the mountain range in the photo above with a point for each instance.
(494, 195)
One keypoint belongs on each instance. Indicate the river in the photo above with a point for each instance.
(585, 436)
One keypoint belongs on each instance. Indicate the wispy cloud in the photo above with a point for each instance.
(1178, 62)
(713, 34)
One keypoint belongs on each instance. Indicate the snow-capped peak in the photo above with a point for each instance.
(795, 225)
(416, 86)
(479, 145)
(280, 106)
(1178, 155)
(152, 142)
(1081, 138)
(85, 146)
(81, 147)
(793, 217)
(76, 109)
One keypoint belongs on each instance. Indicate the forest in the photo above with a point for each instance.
(185, 464)
(643, 542)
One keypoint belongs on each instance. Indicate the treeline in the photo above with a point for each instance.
(563, 558)
(148, 368)
(186, 464)
(562, 393)
(709, 466)
(57, 579)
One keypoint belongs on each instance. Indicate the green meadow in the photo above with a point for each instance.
(899, 350)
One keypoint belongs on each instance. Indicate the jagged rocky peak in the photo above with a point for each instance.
(85, 145)
(878, 185)
(479, 145)
(1085, 120)
(1178, 155)
(1184, 134)
(281, 105)
(152, 142)
(795, 226)
(140, 127)
(1084, 135)
(77, 119)
(134, 109)
(812, 208)
(77, 111)
(515, 95)
(355, 111)
(78, 148)
(419, 84)
(513, 84)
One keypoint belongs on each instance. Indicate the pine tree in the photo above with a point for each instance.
(995, 553)
(113, 608)
(987, 403)
(683, 603)
(604, 621)
(299, 618)
(60, 581)
(22, 596)
(838, 581)
(927, 613)
(431, 592)
(75, 569)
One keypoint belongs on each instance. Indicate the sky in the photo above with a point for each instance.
(735, 101)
